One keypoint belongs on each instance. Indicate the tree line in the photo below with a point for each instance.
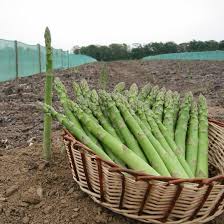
(137, 51)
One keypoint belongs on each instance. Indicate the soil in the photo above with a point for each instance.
(33, 191)
(36, 192)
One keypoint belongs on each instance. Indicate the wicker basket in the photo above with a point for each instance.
(148, 198)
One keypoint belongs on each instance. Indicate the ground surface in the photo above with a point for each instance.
(31, 191)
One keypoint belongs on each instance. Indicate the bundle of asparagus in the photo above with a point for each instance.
(143, 129)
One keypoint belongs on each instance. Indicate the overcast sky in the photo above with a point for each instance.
(83, 22)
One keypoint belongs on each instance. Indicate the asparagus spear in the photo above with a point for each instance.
(83, 103)
(133, 94)
(47, 151)
(89, 112)
(141, 114)
(144, 125)
(174, 148)
(94, 139)
(103, 107)
(182, 122)
(158, 105)
(94, 106)
(192, 139)
(62, 94)
(85, 88)
(120, 87)
(126, 92)
(162, 140)
(75, 131)
(77, 90)
(96, 110)
(176, 106)
(154, 151)
(169, 113)
(144, 128)
(144, 92)
(119, 122)
(202, 164)
(133, 90)
(151, 98)
(120, 150)
(59, 85)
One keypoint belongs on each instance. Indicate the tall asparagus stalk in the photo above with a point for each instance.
(47, 153)
(202, 164)
(192, 139)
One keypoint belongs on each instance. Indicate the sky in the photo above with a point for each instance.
(84, 22)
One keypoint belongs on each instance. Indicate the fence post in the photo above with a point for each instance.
(16, 54)
(39, 57)
(61, 58)
(68, 59)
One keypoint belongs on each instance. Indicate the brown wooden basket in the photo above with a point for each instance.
(148, 198)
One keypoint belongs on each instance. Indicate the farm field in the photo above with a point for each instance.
(52, 196)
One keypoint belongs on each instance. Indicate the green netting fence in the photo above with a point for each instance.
(19, 60)
(204, 55)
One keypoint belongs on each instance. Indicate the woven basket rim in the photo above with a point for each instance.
(143, 176)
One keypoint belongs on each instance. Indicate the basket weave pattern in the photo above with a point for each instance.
(148, 198)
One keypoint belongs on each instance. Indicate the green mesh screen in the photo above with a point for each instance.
(205, 55)
(79, 59)
(43, 59)
(32, 59)
(65, 59)
(28, 59)
(7, 60)
(56, 58)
